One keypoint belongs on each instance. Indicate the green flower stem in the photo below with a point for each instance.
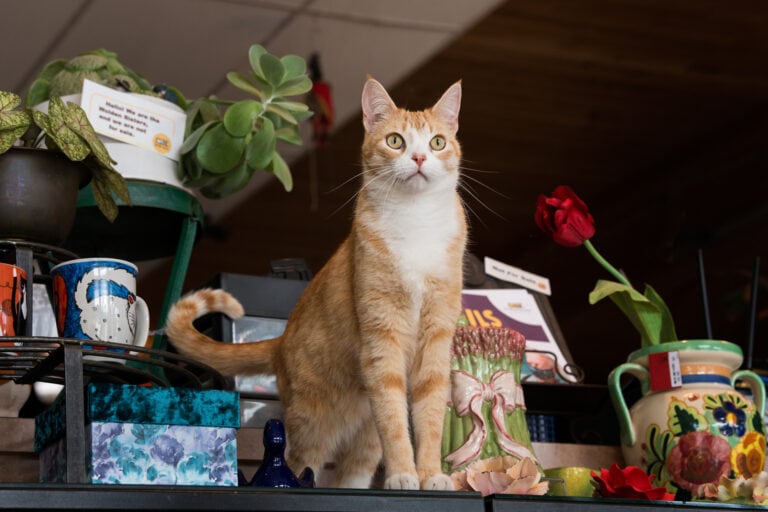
(607, 266)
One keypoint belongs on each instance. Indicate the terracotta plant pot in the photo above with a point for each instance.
(38, 194)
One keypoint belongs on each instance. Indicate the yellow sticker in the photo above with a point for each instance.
(161, 143)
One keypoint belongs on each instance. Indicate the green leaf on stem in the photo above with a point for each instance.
(644, 314)
(280, 169)
(261, 148)
(218, 151)
(254, 57)
(239, 118)
(294, 66)
(667, 332)
(242, 82)
(273, 69)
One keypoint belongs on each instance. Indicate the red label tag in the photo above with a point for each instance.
(664, 369)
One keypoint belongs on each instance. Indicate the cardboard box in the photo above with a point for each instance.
(147, 435)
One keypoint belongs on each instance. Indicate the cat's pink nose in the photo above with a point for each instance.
(419, 159)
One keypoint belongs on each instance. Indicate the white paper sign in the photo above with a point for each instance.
(517, 276)
(137, 119)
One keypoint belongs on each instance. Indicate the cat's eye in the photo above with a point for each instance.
(437, 143)
(395, 141)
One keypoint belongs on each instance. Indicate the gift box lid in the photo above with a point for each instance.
(125, 403)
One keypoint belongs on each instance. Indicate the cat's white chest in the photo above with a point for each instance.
(419, 236)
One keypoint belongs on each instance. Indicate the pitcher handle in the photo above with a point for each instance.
(617, 398)
(756, 385)
(142, 323)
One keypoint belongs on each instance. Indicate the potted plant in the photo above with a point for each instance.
(69, 141)
(227, 141)
(63, 77)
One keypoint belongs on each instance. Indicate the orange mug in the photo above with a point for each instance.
(13, 294)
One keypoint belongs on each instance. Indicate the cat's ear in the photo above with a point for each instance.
(377, 104)
(447, 107)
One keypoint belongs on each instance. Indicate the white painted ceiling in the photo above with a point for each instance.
(192, 44)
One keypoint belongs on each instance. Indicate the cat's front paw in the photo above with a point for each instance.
(438, 482)
(404, 481)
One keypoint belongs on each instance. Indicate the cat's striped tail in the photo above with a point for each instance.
(227, 358)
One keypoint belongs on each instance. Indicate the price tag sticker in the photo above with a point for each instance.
(664, 369)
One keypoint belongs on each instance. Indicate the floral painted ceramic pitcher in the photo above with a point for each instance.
(691, 427)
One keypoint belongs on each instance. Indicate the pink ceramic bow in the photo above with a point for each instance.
(468, 394)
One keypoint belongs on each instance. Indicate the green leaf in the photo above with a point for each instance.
(38, 92)
(218, 151)
(14, 119)
(116, 183)
(193, 174)
(56, 128)
(273, 69)
(667, 332)
(303, 116)
(192, 139)
(261, 148)
(301, 85)
(281, 112)
(77, 120)
(13, 123)
(289, 134)
(9, 101)
(279, 168)
(200, 112)
(229, 183)
(643, 314)
(291, 106)
(683, 420)
(239, 118)
(294, 66)
(254, 58)
(103, 197)
(8, 138)
(244, 84)
(51, 69)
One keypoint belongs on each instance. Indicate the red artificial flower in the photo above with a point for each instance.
(565, 217)
(630, 482)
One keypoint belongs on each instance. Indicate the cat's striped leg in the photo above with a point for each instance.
(386, 385)
(429, 381)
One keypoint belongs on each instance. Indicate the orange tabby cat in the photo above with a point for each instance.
(366, 349)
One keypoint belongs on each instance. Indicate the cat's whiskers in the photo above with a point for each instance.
(468, 189)
(364, 185)
(484, 185)
(472, 211)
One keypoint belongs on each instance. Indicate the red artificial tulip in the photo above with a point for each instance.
(630, 482)
(565, 217)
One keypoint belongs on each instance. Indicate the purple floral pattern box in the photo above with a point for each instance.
(148, 435)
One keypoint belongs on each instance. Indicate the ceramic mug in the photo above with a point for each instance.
(13, 293)
(95, 299)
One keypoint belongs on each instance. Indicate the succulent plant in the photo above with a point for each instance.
(227, 141)
(63, 77)
(64, 128)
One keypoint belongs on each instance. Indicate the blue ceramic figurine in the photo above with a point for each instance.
(274, 471)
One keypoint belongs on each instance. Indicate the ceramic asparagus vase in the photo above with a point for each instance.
(486, 411)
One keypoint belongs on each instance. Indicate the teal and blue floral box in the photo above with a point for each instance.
(147, 435)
